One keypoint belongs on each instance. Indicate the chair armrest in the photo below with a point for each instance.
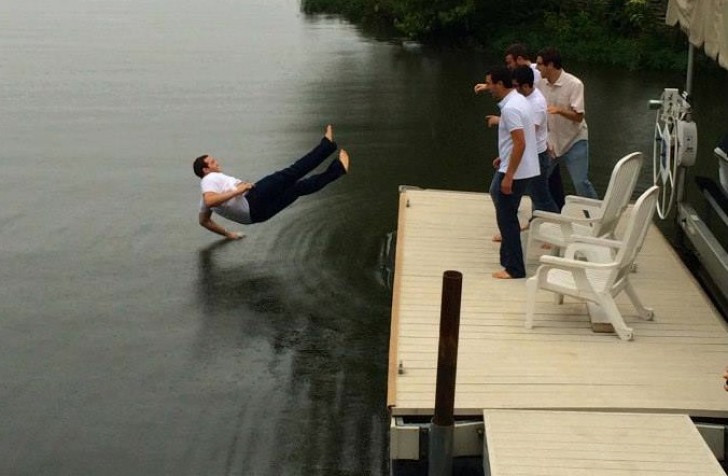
(592, 240)
(566, 263)
(583, 201)
(561, 218)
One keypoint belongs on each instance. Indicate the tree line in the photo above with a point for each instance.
(626, 33)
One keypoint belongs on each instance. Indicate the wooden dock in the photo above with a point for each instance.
(673, 366)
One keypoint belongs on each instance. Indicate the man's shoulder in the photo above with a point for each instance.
(568, 78)
(537, 97)
(214, 177)
(213, 181)
(518, 101)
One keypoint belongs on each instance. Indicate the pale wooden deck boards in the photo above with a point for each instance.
(674, 364)
(539, 443)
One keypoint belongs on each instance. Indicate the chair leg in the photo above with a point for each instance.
(645, 313)
(531, 288)
(615, 317)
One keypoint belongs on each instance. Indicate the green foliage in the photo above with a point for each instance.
(625, 33)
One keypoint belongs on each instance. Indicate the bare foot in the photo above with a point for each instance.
(329, 134)
(502, 274)
(344, 159)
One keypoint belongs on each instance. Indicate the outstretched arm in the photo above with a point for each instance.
(206, 221)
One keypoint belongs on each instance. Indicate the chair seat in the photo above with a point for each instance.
(553, 233)
(598, 279)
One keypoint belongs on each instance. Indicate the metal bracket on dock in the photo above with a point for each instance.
(715, 437)
(410, 441)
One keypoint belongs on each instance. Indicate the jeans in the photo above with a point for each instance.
(275, 192)
(538, 189)
(506, 214)
(577, 163)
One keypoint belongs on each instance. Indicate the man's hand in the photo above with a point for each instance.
(234, 235)
(243, 187)
(496, 163)
(569, 114)
(507, 185)
(480, 87)
(551, 152)
(553, 109)
(492, 120)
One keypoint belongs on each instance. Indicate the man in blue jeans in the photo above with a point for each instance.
(517, 163)
(248, 203)
(568, 132)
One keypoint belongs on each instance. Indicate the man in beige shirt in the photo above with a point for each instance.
(568, 132)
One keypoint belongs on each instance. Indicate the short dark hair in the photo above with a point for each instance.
(200, 164)
(550, 55)
(523, 75)
(502, 74)
(516, 50)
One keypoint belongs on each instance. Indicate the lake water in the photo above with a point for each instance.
(134, 341)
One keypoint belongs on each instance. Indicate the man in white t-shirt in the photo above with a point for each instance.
(517, 163)
(517, 55)
(247, 203)
(539, 188)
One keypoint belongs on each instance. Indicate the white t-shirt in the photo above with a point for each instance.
(516, 113)
(235, 209)
(536, 74)
(540, 119)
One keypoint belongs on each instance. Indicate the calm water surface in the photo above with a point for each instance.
(135, 342)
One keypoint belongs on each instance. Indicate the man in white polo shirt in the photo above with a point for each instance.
(568, 132)
(517, 163)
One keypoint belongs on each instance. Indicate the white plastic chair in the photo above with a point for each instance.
(597, 282)
(588, 216)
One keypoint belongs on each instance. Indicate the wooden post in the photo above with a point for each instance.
(441, 429)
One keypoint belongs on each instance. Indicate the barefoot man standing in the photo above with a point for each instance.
(248, 203)
(516, 164)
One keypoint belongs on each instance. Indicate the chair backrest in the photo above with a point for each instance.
(639, 222)
(619, 191)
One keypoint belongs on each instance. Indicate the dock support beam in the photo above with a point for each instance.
(441, 432)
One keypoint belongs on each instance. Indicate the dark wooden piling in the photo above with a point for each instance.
(441, 431)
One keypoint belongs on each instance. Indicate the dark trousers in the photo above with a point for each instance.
(538, 189)
(556, 187)
(275, 192)
(506, 214)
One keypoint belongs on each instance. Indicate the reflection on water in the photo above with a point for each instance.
(328, 412)
(137, 344)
